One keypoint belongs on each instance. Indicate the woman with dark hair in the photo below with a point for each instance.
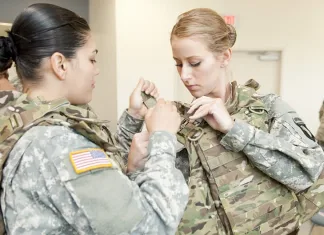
(5, 85)
(63, 168)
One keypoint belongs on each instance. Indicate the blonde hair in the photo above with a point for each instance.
(207, 25)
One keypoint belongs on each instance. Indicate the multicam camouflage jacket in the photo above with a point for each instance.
(230, 188)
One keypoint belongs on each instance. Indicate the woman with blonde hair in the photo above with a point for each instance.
(250, 158)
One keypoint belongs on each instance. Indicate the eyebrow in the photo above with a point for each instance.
(190, 57)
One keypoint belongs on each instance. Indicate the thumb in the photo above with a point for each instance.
(139, 85)
(148, 114)
(145, 135)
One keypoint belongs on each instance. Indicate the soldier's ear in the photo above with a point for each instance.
(226, 57)
(59, 65)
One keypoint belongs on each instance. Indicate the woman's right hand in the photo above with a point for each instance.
(163, 117)
(137, 156)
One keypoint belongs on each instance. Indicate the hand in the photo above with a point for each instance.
(137, 156)
(136, 107)
(163, 117)
(214, 112)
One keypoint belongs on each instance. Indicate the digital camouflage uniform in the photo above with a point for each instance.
(43, 194)
(318, 219)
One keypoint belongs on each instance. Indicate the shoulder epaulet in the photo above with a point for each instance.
(252, 84)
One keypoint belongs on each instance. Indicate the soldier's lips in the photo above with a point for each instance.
(192, 87)
(93, 85)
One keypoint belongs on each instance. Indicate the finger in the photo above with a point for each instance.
(174, 108)
(143, 160)
(154, 92)
(161, 101)
(170, 105)
(198, 102)
(145, 136)
(157, 95)
(150, 88)
(145, 145)
(202, 99)
(139, 85)
(142, 138)
(195, 104)
(148, 113)
(201, 112)
(142, 150)
(146, 85)
(145, 132)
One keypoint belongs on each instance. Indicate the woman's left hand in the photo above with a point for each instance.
(136, 107)
(214, 112)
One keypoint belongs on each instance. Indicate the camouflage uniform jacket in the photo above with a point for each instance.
(278, 144)
(43, 194)
(320, 130)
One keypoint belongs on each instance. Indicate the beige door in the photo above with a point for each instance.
(263, 67)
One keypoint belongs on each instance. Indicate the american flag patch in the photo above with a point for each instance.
(89, 159)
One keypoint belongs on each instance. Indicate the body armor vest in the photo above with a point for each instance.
(228, 195)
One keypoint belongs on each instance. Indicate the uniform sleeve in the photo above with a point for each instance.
(321, 111)
(152, 203)
(320, 130)
(126, 128)
(288, 152)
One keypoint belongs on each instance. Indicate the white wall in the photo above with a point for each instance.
(9, 9)
(295, 27)
(102, 23)
(142, 39)
(143, 49)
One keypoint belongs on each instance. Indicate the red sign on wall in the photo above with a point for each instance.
(229, 19)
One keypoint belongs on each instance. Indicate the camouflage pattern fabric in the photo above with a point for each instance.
(6, 98)
(247, 200)
(201, 214)
(320, 130)
(53, 199)
(153, 208)
(16, 82)
(80, 118)
(23, 115)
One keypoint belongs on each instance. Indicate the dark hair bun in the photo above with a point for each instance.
(7, 53)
